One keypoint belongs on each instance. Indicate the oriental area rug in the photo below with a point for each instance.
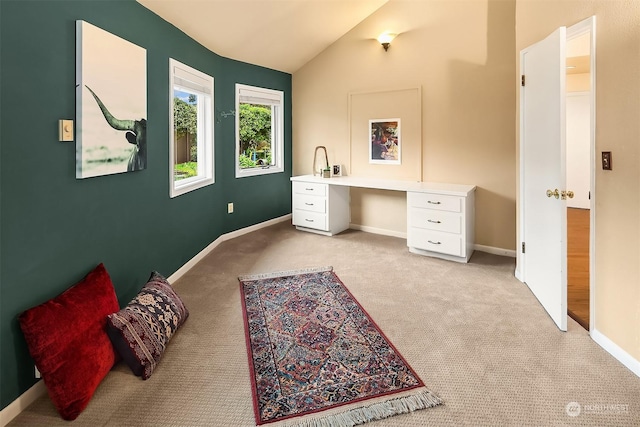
(316, 358)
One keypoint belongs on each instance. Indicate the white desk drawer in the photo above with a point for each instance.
(310, 188)
(309, 219)
(310, 203)
(434, 201)
(431, 219)
(435, 241)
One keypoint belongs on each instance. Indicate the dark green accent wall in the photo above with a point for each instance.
(53, 228)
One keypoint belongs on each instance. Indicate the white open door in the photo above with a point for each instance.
(543, 173)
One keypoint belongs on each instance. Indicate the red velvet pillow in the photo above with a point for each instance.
(68, 341)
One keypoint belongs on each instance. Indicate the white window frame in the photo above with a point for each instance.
(186, 78)
(275, 99)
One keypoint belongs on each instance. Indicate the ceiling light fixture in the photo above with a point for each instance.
(385, 39)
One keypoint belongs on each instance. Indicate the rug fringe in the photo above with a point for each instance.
(377, 411)
(285, 273)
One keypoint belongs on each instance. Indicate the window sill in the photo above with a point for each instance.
(242, 173)
(190, 184)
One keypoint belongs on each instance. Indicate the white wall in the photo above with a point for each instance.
(578, 110)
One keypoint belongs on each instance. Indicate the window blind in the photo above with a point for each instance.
(192, 81)
(266, 97)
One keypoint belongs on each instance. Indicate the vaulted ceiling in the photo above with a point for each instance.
(278, 34)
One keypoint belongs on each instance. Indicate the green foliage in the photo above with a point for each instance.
(246, 162)
(185, 117)
(185, 170)
(185, 122)
(255, 126)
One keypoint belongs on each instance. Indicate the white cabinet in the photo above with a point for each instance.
(320, 208)
(441, 225)
(440, 217)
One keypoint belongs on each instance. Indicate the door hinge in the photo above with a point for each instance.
(522, 247)
(522, 80)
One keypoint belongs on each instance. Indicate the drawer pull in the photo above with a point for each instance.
(308, 220)
(309, 189)
(308, 204)
(434, 243)
(434, 222)
(433, 203)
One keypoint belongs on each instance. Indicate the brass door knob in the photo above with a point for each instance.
(555, 193)
(566, 194)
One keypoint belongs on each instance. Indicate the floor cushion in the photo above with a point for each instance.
(68, 341)
(141, 330)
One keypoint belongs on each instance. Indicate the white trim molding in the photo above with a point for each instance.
(616, 351)
(274, 99)
(224, 237)
(495, 251)
(188, 80)
(20, 404)
(376, 230)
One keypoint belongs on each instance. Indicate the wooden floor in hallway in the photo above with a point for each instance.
(578, 265)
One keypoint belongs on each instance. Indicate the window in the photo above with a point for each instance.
(190, 129)
(259, 131)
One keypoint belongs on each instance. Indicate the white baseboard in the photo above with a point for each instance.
(193, 261)
(19, 405)
(375, 230)
(495, 251)
(237, 233)
(38, 389)
(224, 237)
(616, 351)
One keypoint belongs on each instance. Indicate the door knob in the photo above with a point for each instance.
(555, 193)
(566, 194)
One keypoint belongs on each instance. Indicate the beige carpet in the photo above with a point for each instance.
(475, 335)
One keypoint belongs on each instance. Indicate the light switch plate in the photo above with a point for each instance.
(65, 130)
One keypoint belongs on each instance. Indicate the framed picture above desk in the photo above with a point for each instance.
(386, 134)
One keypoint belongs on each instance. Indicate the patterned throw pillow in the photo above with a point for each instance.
(141, 331)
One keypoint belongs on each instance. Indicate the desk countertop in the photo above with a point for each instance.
(390, 184)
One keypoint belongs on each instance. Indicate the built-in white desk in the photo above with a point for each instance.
(440, 217)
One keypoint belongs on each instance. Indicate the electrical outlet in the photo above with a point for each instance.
(230, 208)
